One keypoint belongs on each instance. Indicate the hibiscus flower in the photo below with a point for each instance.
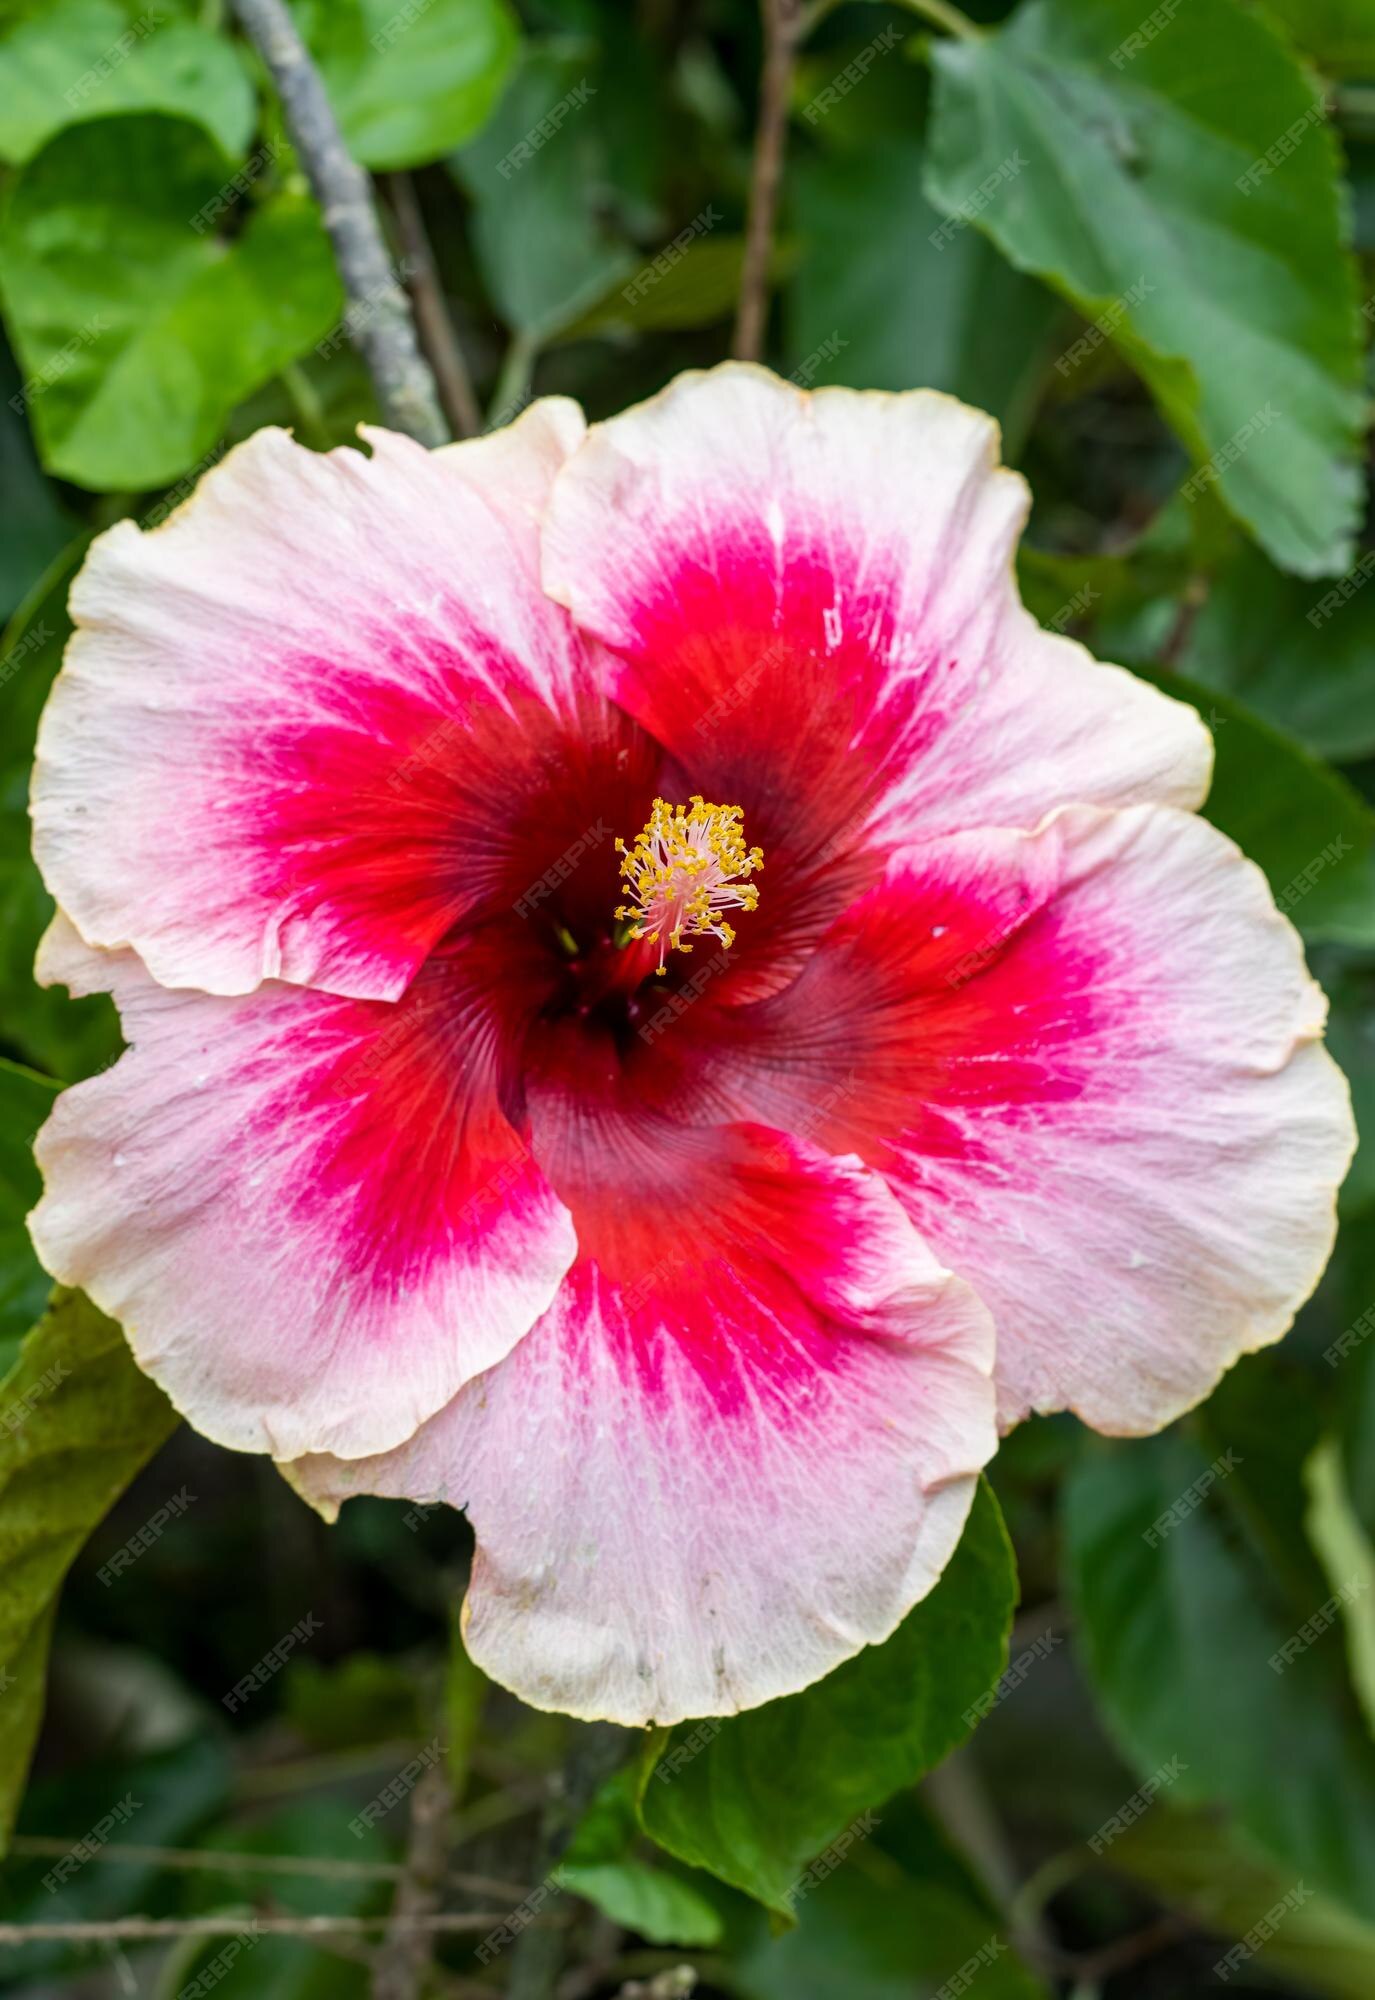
(640, 961)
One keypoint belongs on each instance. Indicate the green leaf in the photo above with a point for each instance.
(903, 1915)
(66, 1038)
(661, 1907)
(25, 1101)
(408, 85)
(34, 527)
(674, 290)
(875, 304)
(755, 1797)
(1297, 653)
(1180, 1616)
(600, 1865)
(1107, 161)
(1189, 1861)
(547, 246)
(1336, 1532)
(1349, 983)
(142, 331)
(77, 1421)
(1339, 35)
(86, 59)
(1310, 830)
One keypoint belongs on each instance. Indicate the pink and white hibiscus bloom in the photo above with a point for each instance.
(376, 790)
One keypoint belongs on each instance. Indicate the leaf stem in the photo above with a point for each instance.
(941, 14)
(305, 401)
(438, 335)
(512, 391)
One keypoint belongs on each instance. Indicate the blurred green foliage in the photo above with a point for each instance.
(1140, 235)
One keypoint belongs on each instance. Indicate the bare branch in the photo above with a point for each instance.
(782, 29)
(236, 1861)
(138, 1930)
(595, 1751)
(379, 319)
(404, 1954)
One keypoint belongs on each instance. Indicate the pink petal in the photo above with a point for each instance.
(1090, 1061)
(287, 740)
(309, 1212)
(811, 602)
(740, 1445)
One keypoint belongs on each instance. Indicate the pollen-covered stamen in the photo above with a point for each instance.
(683, 870)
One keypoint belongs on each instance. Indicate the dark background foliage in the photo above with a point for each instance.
(1142, 235)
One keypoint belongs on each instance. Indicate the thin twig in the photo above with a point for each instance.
(219, 1860)
(782, 21)
(142, 1929)
(404, 1953)
(379, 317)
(1171, 1928)
(241, 1861)
(438, 335)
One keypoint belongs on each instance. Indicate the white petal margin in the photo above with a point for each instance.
(229, 768)
(1135, 1239)
(309, 1216)
(871, 532)
(705, 1488)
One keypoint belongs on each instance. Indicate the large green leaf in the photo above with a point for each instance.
(548, 247)
(84, 59)
(1310, 830)
(67, 1038)
(1348, 979)
(34, 528)
(698, 288)
(1188, 1860)
(77, 1421)
(755, 1798)
(1179, 1624)
(1348, 1557)
(876, 304)
(25, 1101)
(1338, 34)
(408, 85)
(1106, 159)
(904, 1915)
(1297, 653)
(143, 331)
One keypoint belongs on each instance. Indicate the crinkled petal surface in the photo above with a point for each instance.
(292, 730)
(811, 603)
(1089, 1059)
(310, 1213)
(739, 1446)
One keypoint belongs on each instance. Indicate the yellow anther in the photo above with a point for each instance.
(681, 873)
